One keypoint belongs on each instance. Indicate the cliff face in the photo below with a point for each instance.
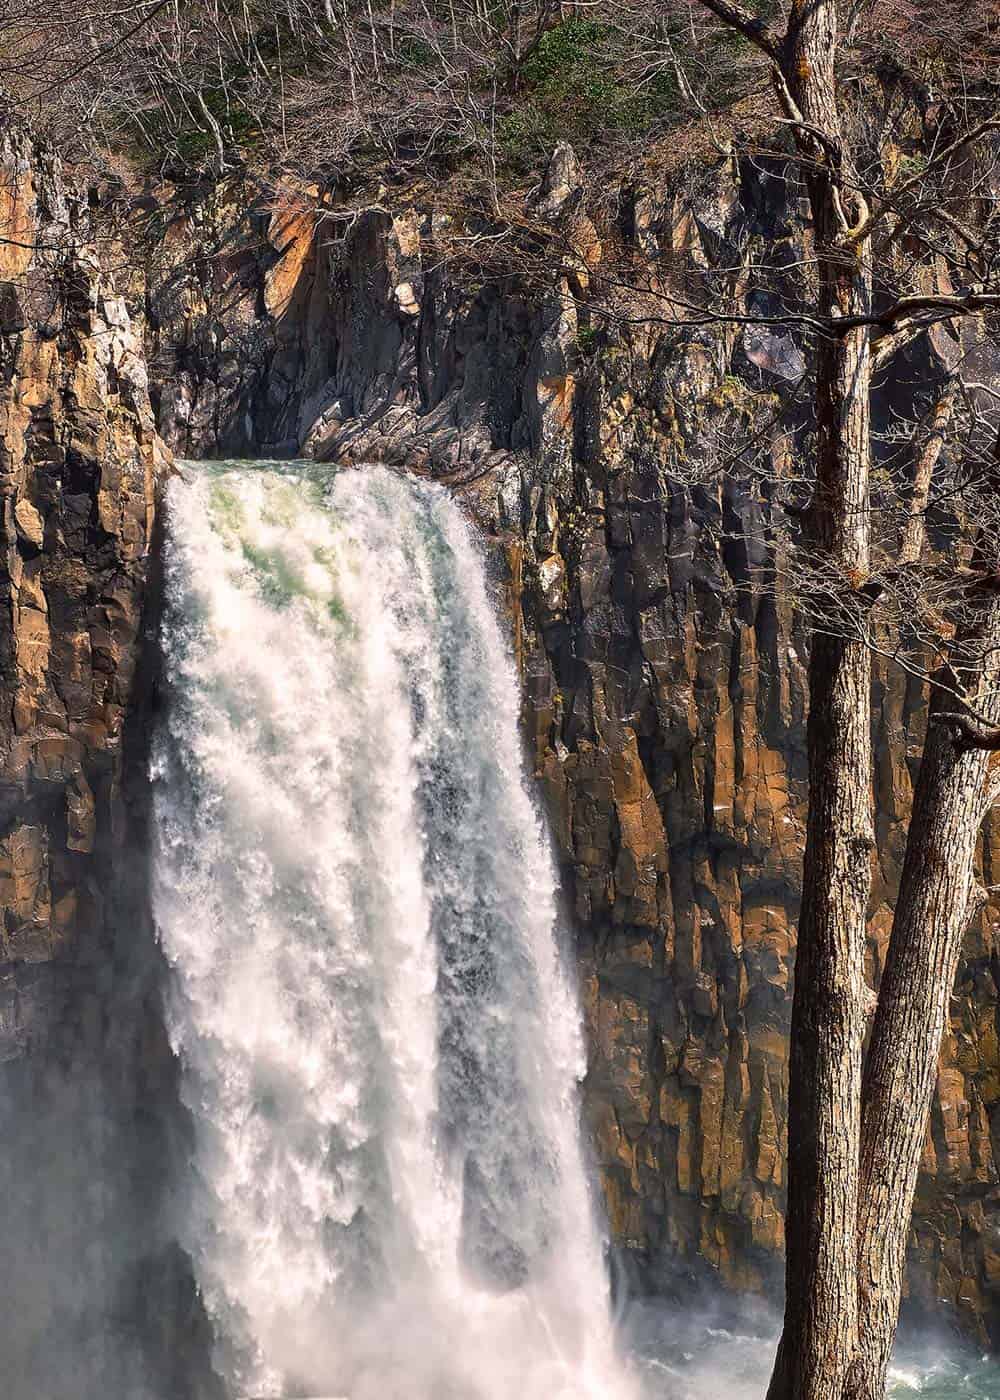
(86, 1080)
(78, 459)
(664, 689)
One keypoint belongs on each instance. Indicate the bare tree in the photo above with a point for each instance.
(855, 1133)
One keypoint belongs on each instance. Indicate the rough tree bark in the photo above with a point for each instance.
(829, 1006)
(936, 901)
(938, 895)
(851, 1179)
(927, 460)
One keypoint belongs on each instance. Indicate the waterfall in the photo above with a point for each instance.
(380, 1047)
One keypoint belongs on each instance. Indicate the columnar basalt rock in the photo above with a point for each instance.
(79, 458)
(664, 696)
(664, 687)
(88, 1106)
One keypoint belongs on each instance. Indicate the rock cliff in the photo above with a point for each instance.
(86, 1079)
(79, 459)
(664, 688)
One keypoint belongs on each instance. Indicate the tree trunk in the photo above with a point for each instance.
(934, 906)
(915, 529)
(828, 1011)
(851, 1183)
(827, 1032)
(937, 898)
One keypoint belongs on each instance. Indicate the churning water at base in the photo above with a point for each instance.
(380, 1047)
(726, 1353)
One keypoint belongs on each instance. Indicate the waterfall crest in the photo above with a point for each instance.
(380, 1048)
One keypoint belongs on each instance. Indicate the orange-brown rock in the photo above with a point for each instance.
(79, 456)
(664, 680)
(87, 1105)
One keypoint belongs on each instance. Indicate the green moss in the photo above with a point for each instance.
(586, 340)
(733, 393)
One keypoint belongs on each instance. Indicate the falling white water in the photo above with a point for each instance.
(380, 1049)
